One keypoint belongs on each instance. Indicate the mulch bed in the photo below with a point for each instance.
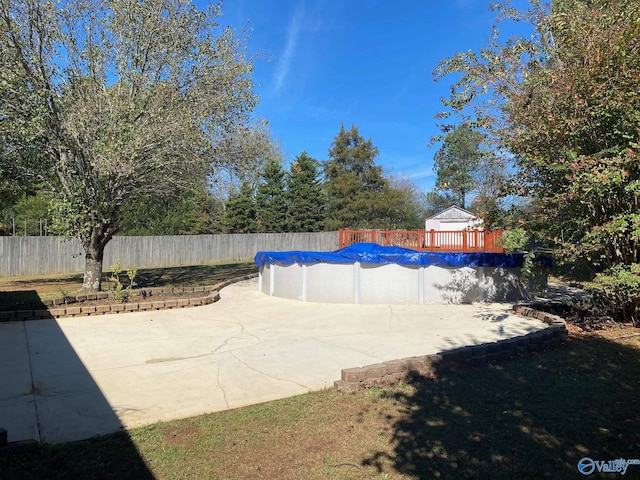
(578, 318)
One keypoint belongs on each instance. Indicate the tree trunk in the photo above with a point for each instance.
(93, 268)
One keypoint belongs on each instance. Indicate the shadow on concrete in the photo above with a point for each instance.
(48, 395)
(21, 300)
(533, 417)
(492, 317)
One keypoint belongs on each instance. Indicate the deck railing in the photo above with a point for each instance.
(427, 240)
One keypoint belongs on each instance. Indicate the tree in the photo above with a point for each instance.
(271, 200)
(436, 201)
(187, 212)
(241, 154)
(457, 162)
(305, 196)
(240, 215)
(31, 214)
(106, 100)
(407, 204)
(565, 103)
(353, 182)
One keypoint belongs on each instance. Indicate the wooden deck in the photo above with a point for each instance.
(427, 240)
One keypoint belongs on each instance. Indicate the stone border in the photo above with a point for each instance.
(210, 294)
(428, 366)
(15, 447)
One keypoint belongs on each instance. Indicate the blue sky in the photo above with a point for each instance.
(367, 62)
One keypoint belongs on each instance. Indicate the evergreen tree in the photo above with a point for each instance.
(240, 215)
(457, 163)
(193, 212)
(271, 201)
(306, 198)
(353, 182)
(437, 200)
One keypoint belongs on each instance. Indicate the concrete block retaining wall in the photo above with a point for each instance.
(428, 366)
(57, 308)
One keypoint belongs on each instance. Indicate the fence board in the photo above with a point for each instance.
(21, 256)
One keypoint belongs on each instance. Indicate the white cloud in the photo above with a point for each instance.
(293, 34)
(423, 174)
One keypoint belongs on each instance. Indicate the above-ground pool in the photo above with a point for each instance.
(367, 273)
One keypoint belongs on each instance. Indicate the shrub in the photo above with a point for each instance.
(118, 290)
(619, 289)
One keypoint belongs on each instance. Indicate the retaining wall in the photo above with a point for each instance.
(428, 366)
(67, 307)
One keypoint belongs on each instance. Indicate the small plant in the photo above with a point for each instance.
(118, 290)
(66, 295)
(131, 275)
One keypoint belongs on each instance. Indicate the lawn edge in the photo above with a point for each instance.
(210, 294)
(431, 366)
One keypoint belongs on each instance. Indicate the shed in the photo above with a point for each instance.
(453, 219)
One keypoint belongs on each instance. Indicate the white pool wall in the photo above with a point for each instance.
(391, 283)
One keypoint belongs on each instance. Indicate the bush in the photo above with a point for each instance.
(619, 289)
(119, 291)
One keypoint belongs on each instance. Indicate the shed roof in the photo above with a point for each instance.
(453, 213)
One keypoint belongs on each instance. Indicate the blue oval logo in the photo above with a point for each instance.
(586, 466)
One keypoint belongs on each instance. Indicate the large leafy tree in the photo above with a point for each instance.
(305, 196)
(241, 155)
(406, 204)
(457, 163)
(103, 100)
(565, 103)
(354, 183)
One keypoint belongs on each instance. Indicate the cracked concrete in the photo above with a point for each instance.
(72, 378)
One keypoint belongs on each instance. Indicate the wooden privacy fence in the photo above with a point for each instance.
(427, 240)
(45, 255)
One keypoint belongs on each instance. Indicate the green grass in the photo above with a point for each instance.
(530, 418)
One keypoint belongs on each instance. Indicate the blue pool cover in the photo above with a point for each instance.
(374, 254)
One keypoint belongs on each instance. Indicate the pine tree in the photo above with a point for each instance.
(240, 215)
(305, 195)
(271, 202)
(354, 183)
(457, 163)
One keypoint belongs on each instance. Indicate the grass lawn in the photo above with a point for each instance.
(530, 418)
(533, 417)
(20, 290)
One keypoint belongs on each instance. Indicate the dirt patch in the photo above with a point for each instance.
(579, 317)
(183, 437)
(574, 329)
